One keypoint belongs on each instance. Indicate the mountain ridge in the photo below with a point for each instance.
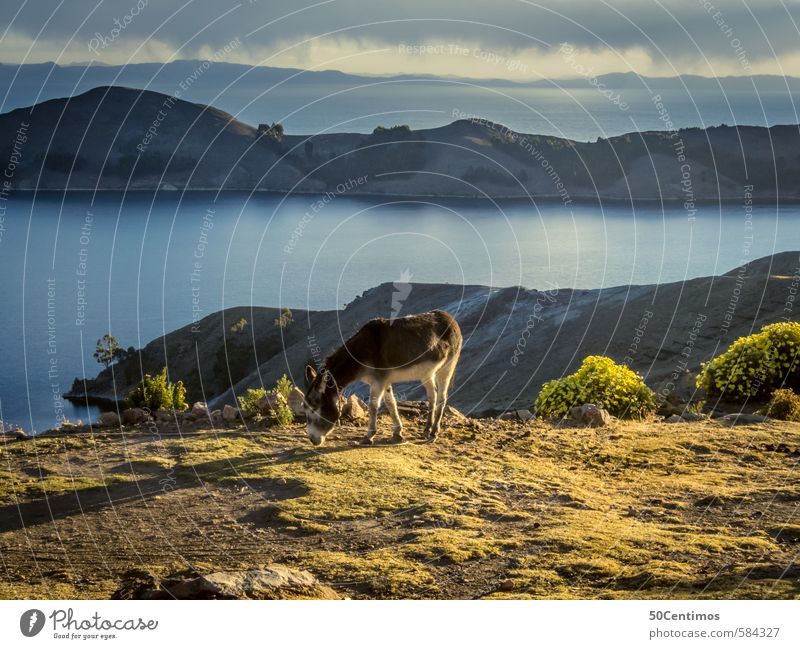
(121, 138)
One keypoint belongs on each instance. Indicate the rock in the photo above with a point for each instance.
(737, 418)
(229, 413)
(269, 582)
(694, 416)
(216, 417)
(133, 416)
(20, 434)
(675, 419)
(591, 415)
(296, 400)
(354, 409)
(523, 415)
(268, 402)
(164, 415)
(456, 415)
(109, 419)
(199, 410)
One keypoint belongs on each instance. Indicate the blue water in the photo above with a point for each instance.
(138, 254)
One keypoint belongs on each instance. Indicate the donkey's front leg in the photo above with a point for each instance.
(375, 398)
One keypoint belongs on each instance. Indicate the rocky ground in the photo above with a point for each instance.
(496, 509)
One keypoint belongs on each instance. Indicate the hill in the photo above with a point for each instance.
(515, 338)
(118, 138)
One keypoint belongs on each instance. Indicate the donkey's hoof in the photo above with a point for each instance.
(398, 438)
(366, 441)
(430, 439)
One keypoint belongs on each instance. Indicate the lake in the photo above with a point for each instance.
(139, 264)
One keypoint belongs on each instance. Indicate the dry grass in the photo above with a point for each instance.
(495, 509)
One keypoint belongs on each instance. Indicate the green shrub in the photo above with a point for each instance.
(157, 393)
(284, 386)
(755, 365)
(784, 404)
(602, 382)
(281, 414)
(248, 404)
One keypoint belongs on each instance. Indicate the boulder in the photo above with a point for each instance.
(199, 410)
(296, 400)
(20, 434)
(216, 417)
(354, 409)
(109, 419)
(229, 413)
(675, 419)
(591, 415)
(694, 416)
(738, 418)
(164, 415)
(268, 402)
(269, 582)
(134, 416)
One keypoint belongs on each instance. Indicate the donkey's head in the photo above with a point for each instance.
(321, 404)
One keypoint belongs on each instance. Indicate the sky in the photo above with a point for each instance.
(510, 39)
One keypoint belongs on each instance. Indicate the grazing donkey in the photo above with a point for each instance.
(423, 347)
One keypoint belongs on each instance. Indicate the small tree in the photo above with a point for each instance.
(284, 319)
(238, 326)
(107, 350)
(274, 131)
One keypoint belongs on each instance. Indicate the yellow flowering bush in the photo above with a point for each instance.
(785, 405)
(755, 365)
(600, 381)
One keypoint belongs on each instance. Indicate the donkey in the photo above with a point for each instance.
(423, 347)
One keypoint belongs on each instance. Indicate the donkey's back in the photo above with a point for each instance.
(432, 338)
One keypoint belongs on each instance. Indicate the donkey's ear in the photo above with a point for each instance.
(311, 374)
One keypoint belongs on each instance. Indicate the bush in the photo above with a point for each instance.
(157, 393)
(602, 382)
(248, 404)
(281, 414)
(784, 404)
(755, 365)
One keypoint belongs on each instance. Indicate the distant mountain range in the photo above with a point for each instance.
(122, 138)
(157, 76)
(307, 101)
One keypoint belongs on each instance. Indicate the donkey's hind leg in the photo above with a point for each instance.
(430, 388)
(391, 404)
(443, 378)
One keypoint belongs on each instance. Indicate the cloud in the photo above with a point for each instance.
(647, 36)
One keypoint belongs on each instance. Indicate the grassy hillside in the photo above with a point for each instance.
(495, 510)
